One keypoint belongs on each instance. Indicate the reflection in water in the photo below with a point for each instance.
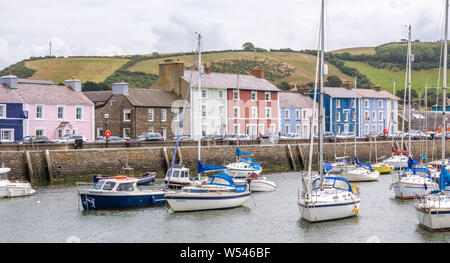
(267, 217)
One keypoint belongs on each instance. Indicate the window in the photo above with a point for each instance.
(163, 115)
(272, 128)
(39, 132)
(286, 114)
(74, 132)
(346, 127)
(164, 133)
(220, 94)
(60, 133)
(287, 128)
(353, 104)
(204, 129)
(126, 133)
(99, 132)
(67, 131)
(254, 112)
(374, 116)
(236, 129)
(204, 93)
(338, 116)
(338, 129)
(298, 128)
(366, 128)
(338, 103)
(354, 116)
(366, 116)
(109, 186)
(380, 128)
(151, 113)
(126, 115)
(39, 111)
(297, 114)
(268, 113)
(79, 110)
(235, 112)
(374, 128)
(366, 103)
(380, 104)
(203, 111)
(304, 115)
(151, 130)
(2, 111)
(254, 95)
(125, 187)
(221, 110)
(235, 95)
(60, 112)
(380, 114)
(261, 128)
(7, 135)
(175, 114)
(267, 96)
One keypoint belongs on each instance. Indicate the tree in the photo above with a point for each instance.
(284, 86)
(94, 86)
(248, 46)
(333, 81)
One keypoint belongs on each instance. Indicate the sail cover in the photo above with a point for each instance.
(444, 179)
(363, 164)
(239, 152)
(411, 163)
(398, 151)
(201, 167)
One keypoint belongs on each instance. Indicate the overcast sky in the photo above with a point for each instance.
(118, 27)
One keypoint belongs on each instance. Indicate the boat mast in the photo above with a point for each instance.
(199, 97)
(392, 116)
(409, 90)
(354, 129)
(322, 57)
(444, 87)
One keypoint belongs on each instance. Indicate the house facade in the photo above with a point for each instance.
(12, 114)
(296, 111)
(228, 103)
(128, 113)
(363, 112)
(63, 110)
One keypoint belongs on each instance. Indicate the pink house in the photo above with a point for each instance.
(55, 110)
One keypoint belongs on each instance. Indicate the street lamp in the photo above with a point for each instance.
(107, 137)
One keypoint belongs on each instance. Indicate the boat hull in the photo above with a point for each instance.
(383, 169)
(262, 186)
(100, 201)
(242, 173)
(410, 190)
(326, 212)
(8, 192)
(183, 202)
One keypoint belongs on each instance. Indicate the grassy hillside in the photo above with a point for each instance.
(357, 50)
(85, 69)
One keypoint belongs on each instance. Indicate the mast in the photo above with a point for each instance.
(199, 97)
(409, 90)
(322, 57)
(239, 106)
(392, 116)
(426, 117)
(354, 129)
(444, 87)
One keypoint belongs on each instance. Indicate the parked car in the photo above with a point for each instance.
(70, 139)
(152, 137)
(397, 134)
(112, 139)
(432, 134)
(326, 135)
(290, 136)
(33, 139)
(182, 138)
(234, 137)
(345, 135)
(212, 137)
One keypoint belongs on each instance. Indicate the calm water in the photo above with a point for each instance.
(52, 215)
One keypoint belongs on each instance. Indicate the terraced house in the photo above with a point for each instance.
(227, 104)
(129, 112)
(364, 112)
(296, 111)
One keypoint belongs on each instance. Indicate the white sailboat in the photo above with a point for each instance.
(433, 211)
(409, 183)
(13, 189)
(326, 197)
(219, 191)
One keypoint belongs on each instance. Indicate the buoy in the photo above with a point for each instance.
(356, 209)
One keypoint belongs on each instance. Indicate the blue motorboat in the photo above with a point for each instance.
(119, 192)
(144, 179)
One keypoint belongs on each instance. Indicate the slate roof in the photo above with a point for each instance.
(339, 92)
(420, 119)
(230, 81)
(137, 97)
(295, 100)
(98, 96)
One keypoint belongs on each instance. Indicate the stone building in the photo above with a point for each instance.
(132, 112)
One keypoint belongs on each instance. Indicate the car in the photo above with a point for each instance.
(153, 137)
(212, 137)
(112, 139)
(70, 139)
(234, 137)
(432, 134)
(182, 138)
(33, 139)
(397, 134)
(290, 136)
(326, 135)
(345, 135)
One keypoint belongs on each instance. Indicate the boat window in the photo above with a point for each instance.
(109, 186)
(182, 174)
(218, 180)
(127, 187)
(176, 174)
(99, 185)
(3, 176)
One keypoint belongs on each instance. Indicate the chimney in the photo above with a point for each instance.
(75, 84)
(10, 80)
(170, 77)
(120, 88)
(207, 70)
(259, 73)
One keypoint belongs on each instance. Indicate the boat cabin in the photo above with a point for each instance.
(3, 173)
(178, 174)
(332, 183)
(117, 184)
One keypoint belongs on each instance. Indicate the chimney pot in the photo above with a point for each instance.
(10, 80)
(259, 73)
(75, 84)
(120, 88)
(207, 70)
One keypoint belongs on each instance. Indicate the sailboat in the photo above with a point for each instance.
(358, 172)
(433, 211)
(409, 183)
(219, 191)
(13, 189)
(326, 197)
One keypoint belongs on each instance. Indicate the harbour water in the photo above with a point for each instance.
(53, 215)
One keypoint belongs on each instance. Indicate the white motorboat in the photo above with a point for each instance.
(219, 192)
(335, 200)
(258, 183)
(13, 189)
(244, 167)
(398, 161)
(177, 177)
(353, 173)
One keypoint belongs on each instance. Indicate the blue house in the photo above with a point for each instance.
(362, 112)
(12, 114)
(296, 111)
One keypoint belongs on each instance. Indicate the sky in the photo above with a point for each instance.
(117, 27)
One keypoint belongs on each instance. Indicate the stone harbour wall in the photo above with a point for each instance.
(41, 166)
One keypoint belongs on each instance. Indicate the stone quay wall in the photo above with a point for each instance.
(43, 166)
